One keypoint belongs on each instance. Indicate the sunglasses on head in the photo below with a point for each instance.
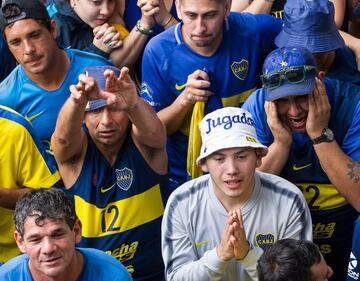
(293, 75)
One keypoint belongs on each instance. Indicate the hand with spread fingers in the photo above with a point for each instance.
(86, 89)
(319, 110)
(281, 132)
(106, 38)
(120, 92)
(197, 89)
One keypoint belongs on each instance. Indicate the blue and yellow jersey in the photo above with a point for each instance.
(303, 166)
(234, 71)
(39, 106)
(121, 209)
(23, 163)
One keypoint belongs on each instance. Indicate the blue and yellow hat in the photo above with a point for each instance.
(98, 73)
(284, 64)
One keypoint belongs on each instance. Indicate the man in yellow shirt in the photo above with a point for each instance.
(23, 165)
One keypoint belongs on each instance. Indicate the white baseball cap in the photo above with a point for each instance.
(228, 127)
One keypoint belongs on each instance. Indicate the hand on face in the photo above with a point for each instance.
(233, 242)
(319, 110)
(106, 38)
(281, 132)
(197, 89)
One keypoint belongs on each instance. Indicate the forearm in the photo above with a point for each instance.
(342, 171)
(275, 159)
(259, 7)
(207, 267)
(8, 197)
(132, 46)
(173, 116)
(66, 140)
(147, 127)
(351, 41)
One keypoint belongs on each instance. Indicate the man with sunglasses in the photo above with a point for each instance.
(312, 128)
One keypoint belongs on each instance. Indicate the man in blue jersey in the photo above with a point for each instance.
(47, 231)
(312, 128)
(115, 168)
(310, 24)
(212, 56)
(39, 85)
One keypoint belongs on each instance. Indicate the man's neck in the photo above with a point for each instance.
(52, 78)
(71, 273)
(110, 152)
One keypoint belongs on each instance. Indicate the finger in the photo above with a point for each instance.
(76, 93)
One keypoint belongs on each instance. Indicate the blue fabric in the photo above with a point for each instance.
(103, 186)
(354, 261)
(98, 266)
(235, 69)
(310, 24)
(344, 67)
(8, 62)
(39, 106)
(72, 31)
(335, 224)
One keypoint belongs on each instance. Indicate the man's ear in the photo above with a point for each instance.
(321, 75)
(53, 29)
(259, 156)
(204, 166)
(178, 9)
(20, 242)
(77, 229)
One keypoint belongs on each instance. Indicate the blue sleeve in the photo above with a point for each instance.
(255, 105)
(351, 143)
(154, 89)
(9, 90)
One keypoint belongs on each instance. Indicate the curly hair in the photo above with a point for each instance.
(44, 203)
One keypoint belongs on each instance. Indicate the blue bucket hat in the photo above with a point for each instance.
(310, 24)
(284, 59)
(98, 73)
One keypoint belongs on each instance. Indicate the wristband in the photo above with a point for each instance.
(142, 29)
(168, 21)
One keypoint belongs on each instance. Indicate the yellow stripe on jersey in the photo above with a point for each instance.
(321, 196)
(238, 99)
(121, 215)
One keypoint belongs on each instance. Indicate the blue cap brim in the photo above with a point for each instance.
(304, 88)
(319, 43)
(95, 104)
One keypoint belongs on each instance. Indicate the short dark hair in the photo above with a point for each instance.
(44, 203)
(288, 260)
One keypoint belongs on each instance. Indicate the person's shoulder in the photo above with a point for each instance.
(192, 190)
(278, 185)
(249, 23)
(83, 57)
(100, 261)
(165, 41)
(15, 269)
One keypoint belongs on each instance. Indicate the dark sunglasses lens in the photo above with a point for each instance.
(295, 75)
(271, 81)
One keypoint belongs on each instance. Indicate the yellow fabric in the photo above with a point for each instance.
(194, 144)
(121, 29)
(130, 213)
(21, 165)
